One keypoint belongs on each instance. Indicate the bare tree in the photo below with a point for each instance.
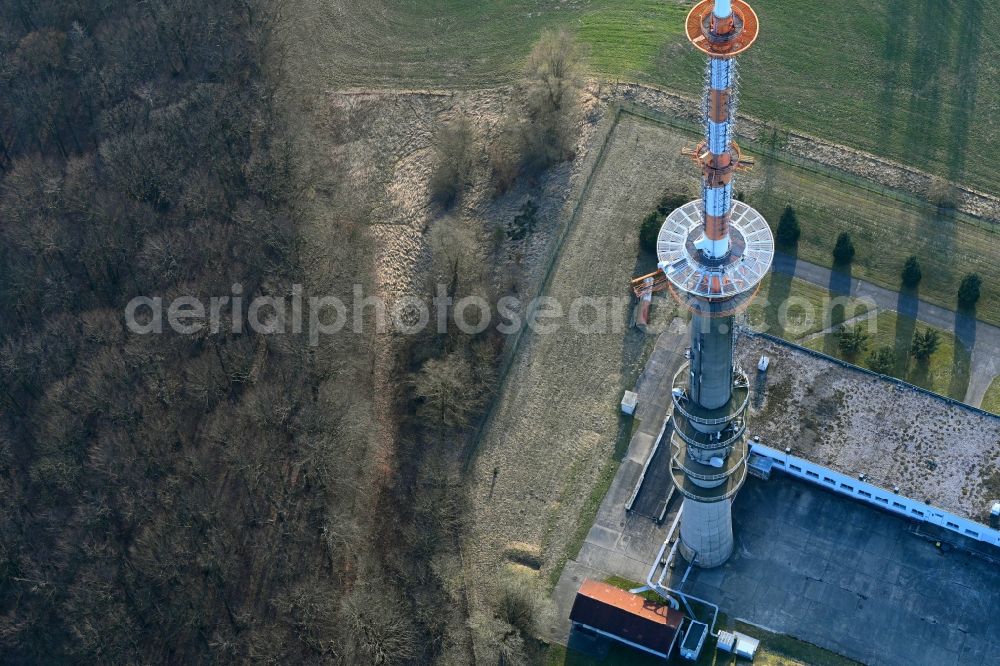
(379, 627)
(455, 255)
(449, 391)
(452, 161)
(552, 84)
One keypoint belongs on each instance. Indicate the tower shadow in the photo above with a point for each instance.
(933, 34)
(893, 52)
(779, 290)
(965, 74)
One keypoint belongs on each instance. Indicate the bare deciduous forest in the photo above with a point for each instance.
(167, 498)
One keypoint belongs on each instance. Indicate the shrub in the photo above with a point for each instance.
(852, 340)
(523, 224)
(942, 193)
(925, 344)
(843, 251)
(789, 230)
(970, 290)
(882, 360)
(505, 163)
(671, 201)
(649, 231)
(911, 272)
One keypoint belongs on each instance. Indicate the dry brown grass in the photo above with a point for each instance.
(555, 426)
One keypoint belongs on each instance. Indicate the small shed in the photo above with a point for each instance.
(627, 618)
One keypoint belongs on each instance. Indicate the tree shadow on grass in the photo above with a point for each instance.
(961, 362)
(920, 375)
(840, 285)
(907, 303)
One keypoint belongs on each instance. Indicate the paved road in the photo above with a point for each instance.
(981, 338)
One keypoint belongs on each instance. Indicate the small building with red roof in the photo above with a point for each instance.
(627, 618)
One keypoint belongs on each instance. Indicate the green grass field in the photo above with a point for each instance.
(946, 372)
(906, 78)
(885, 232)
(991, 401)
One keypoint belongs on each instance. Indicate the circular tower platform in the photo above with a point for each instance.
(701, 29)
(715, 287)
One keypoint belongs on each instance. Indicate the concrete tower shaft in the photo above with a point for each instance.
(711, 368)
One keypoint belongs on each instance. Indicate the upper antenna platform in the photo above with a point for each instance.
(722, 37)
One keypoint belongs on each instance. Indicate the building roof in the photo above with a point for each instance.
(854, 422)
(627, 616)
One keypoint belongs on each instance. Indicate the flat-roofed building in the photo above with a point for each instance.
(877, 440)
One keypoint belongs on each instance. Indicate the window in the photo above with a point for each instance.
(847, 487)
(898, 505)
(813, 475)
(779, 462)
(829, 480)
(796, 468)
(952, 525)
(865, 493)
(882, 499)
(972, 533)
(915, 512)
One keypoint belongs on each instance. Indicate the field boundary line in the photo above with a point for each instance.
(812, 166)
(511, 354)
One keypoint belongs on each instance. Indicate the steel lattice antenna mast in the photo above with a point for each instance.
(713, 252)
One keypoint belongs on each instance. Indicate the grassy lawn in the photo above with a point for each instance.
(885, 232)
(896, 77)
(946, 372)
(794, 309)
(991, 401)
(588, 513)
